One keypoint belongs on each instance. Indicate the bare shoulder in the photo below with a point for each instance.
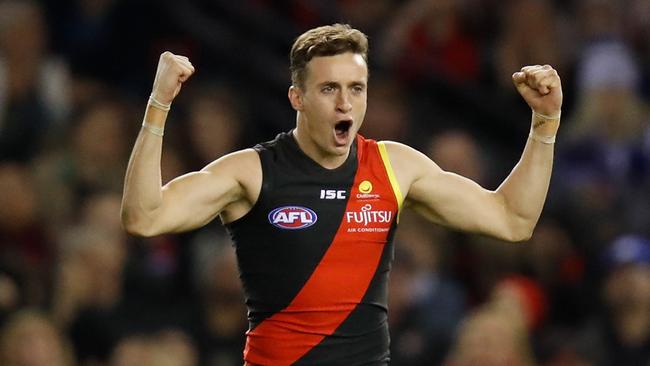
(244, 169)
(398, 150)
(242, 159)
(243, 166)
(408, 164)
(406, 158)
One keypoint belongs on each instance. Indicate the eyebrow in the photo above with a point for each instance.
(336, 83)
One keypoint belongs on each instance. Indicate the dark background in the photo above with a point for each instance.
(74, 81)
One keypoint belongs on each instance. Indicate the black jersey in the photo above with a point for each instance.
(314, 254)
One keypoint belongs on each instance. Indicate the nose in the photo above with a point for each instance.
(343, 104)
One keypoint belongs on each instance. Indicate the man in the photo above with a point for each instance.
(313, 212)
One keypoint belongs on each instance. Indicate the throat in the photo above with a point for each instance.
(327, 160)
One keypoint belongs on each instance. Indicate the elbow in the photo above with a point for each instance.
(133, 224)
(521, 236)
(520, 232)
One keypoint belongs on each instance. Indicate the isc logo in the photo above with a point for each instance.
(292, 217)
(332, 194)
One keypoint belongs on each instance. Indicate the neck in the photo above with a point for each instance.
(317, 154)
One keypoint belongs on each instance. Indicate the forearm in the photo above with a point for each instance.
(143, 183)
(524, 190)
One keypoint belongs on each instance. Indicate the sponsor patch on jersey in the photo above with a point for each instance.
(365, 187)
(292, 217)
(368, 216)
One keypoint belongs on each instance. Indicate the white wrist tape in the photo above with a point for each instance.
(548, 140)
(158, 131)
(543, 116)
(156, 104)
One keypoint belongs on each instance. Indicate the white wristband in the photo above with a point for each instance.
(158, 131)
(548, 140)
(543, 116)
(543, 119)
(156, 104)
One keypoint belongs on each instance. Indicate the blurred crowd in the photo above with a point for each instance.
(75, 75)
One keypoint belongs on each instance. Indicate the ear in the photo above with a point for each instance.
(295, 97)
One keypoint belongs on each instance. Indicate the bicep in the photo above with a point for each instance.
(194, 199)
(455, 201)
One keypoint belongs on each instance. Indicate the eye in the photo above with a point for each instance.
(358, 89)
(327, 89)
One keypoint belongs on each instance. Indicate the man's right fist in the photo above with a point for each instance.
(172, 72)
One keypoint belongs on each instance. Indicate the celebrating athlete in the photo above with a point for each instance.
(312, 213)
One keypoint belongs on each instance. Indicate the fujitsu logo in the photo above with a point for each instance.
(368, 216)
(292, 217)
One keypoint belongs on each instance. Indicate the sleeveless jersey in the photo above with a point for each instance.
(314, 255)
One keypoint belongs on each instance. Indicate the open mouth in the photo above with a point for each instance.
(342, 132)
(342, 128)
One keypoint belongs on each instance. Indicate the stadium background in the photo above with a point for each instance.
(74, 80)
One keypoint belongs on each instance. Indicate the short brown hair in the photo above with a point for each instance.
(327, 40)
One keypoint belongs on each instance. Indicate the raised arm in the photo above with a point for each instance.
(191, 200)
(512, 210)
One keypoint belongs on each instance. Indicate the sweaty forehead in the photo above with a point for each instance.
(343, 68)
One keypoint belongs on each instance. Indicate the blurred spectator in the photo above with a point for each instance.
(638, 26)
(426, 39)
(30, 339)
(552, 259)
(515, 48)
(369, 15)
(93, 159)
(101, 212)
(425, 306)
(223, 312)
(88, 288)
(165, 348)
(90, 273)
(387, 117)
(10, 295)
(216, 123)
(604, 164)
(600, 19)
(525, 297)
(33, 84)
(492, 336)
(458, 152)
(621, 335)
(26, 248)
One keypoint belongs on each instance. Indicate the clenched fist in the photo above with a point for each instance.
(541, 88)
(173, 71)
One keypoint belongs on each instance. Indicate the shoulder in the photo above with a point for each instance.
(241, 171)
(243, 166)
(408, 164)
(403, 154)
(235, 161)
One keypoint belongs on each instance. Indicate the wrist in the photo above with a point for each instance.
(159, 103)
(158, 131)
(544, 126)
(155, 116)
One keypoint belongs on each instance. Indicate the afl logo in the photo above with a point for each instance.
(292, 217)
(365, 186)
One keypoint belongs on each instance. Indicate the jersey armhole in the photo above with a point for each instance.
(259, 149)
